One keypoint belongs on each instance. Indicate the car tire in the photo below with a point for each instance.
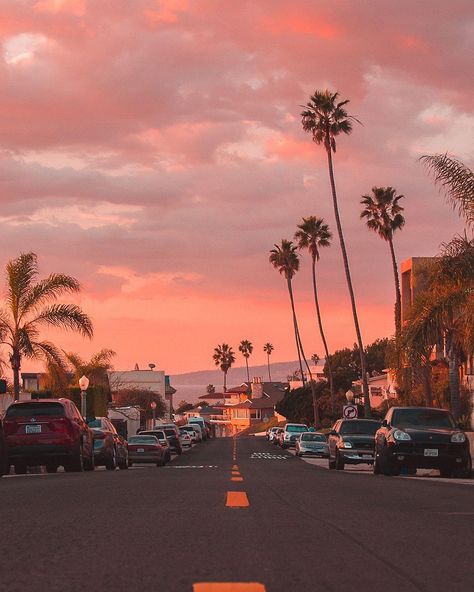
(130, 464)
(89, 465)
(375, 467)
(331, 463)
(168, 457)
(51, 468)
(386, 467)
(76, 464)
(179, 451)
(339, 463)
(446, 472)
(112, 463)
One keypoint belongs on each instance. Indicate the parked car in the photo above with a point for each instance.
(162, 439)
(313, 443)
(146, 448)
(185, 438)
(110, 449)
(276, 436)
(421, 437)
(291, 433)
(351, 441)
(172, 435)
(205, 431)
(194, 431)
(271, 433)
(49, 432)
(3, 452)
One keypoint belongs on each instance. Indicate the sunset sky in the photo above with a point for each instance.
(154, 150)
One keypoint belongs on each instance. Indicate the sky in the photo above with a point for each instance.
(154, 150)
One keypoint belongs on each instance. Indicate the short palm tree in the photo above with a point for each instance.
(383, 214)
(284, 258)
(246, 349)
(314, 234)
(325, 117)
(268, 349)
(95, 369)
(30, 306)
(224, 357)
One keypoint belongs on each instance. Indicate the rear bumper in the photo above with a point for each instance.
(144, 457)
(353, 456)
(39, 453)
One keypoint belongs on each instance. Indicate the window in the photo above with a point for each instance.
(240, 413)
(34, 410)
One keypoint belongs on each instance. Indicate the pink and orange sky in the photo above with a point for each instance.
(154, 150)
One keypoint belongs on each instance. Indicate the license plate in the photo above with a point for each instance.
(367, 456)
(140, 450)
(33, 429)
(431, 452)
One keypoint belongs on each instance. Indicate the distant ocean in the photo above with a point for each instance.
(189, 392)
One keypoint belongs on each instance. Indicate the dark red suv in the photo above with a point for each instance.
(49, 432)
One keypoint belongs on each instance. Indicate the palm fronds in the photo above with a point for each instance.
(65, 316)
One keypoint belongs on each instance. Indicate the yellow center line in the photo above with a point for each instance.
(228, 587)
(237, 499)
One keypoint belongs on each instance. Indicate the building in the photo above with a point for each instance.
(382, 389)
(414, 277)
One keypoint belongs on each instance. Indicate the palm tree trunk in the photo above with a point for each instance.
(225, 381)
(247, 364)
(311, 382)
(398, 296)
(268, 364)
(295, 325)
(426, 375)
(363, 365)
(453, 376)
(323, 336)
(15, 360)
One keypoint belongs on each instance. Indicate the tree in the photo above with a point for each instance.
(325, 118)
(95, 369)
(32, 305)
(456, 180)
(246, 349)
(284, 258)
(315, 359)
(210, 389)
(383, 214)
(184, 406)
(268, 349)
(141, 398)
(313, 234)
(224, 357)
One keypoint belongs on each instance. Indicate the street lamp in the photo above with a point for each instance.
(153, 408)
(84, 385)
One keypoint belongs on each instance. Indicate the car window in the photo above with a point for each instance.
(297, 428)
(142, 440)
(159, 434)
(35, 410)
(359, 426)
(95, 423)
(426, 418)
(313, 438)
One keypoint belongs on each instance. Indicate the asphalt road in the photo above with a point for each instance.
(168, 529)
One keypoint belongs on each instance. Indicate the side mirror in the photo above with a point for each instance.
(385, 424)
(333, 433)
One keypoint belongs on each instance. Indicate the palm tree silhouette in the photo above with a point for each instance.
(30, 306)
(325, 118)
(383, 215)
(224, 357)
(284, 258)
(313, 234)
(268, 349)
(246, 349)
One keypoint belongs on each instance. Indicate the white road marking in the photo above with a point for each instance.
(268, 455)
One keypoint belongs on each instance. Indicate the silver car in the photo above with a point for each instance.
(313, 443)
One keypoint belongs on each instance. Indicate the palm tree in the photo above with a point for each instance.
(383, 215)
(268, 349)
(246, 349)
(284, 258)
(325, 118)
(313, 234)
(30, 306)
(456, 179)
(224, 357)
(95, 369)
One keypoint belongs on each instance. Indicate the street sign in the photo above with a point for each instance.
(350, 412)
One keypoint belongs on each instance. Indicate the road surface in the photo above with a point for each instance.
(295, 527)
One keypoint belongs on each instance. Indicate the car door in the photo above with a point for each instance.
(332, 440)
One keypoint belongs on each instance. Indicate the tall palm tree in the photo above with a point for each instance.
(314, 234)
(246, 349)
(284, 258)
(30, 306)
(95, 369)
(224, 357)
(457, 181)
(268, 349)
(325, 118)
(383, 214)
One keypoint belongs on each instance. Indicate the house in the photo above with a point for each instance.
(382, 389)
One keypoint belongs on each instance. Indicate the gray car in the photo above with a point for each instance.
(312, 443)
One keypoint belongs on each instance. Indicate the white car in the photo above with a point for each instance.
(194, 431)
(185, 438)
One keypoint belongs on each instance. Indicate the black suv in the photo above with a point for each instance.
(351, 441)
(421, 437)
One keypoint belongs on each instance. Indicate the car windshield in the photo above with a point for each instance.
(426, 418)
(297, 428)
(170, 433)
(313, 438)
(159, 435)
(34, 410)
(94, 423)
(142, 440)
(359, 426)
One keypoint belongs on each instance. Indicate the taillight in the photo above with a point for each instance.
(9, 427)
(61, 425)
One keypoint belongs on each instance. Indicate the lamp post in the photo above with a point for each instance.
(153, 408)
(83, 385)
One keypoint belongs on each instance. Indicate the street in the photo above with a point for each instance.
(169, 529)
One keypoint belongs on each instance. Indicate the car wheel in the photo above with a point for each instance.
(375, 467)
(130, 464)
(89, 463)
(20, 469)
(331, 463)
(112, 463)
(179, 451)
(76, 465)
(446, 472)
(168, 457)
(339, 462)
(386, 467)
(51, 468)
